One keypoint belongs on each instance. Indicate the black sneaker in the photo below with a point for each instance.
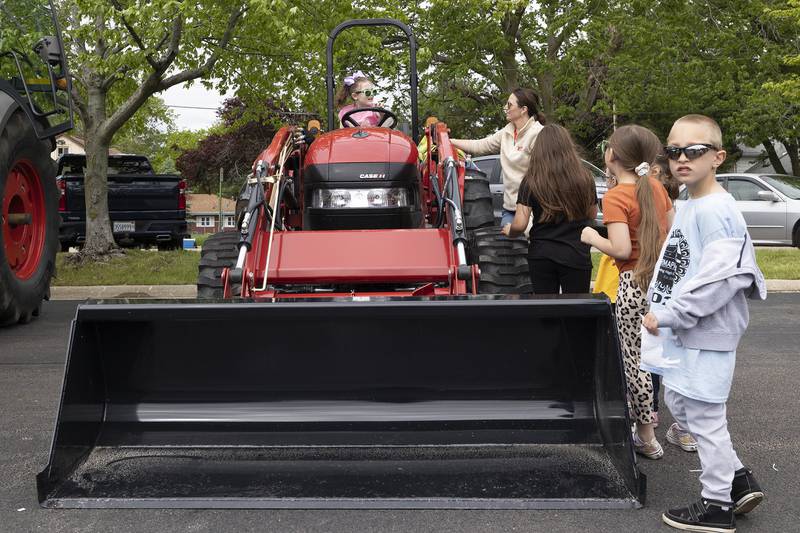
(746, 493)
(706, 516)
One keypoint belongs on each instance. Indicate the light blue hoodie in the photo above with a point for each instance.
(706, 272)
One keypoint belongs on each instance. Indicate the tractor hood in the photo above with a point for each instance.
(362, 145)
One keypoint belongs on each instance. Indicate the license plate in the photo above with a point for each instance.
(121, 227)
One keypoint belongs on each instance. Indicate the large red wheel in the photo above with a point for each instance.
(29, 224)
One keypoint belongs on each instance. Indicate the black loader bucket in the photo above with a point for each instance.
(465, 402)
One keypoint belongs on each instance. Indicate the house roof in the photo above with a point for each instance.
(208, 204)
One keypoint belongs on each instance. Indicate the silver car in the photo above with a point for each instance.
(770, 204)
(490, 164)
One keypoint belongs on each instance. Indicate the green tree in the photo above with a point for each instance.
(123, 52)
(475, 52)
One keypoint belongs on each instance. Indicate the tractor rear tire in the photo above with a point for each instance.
(27, 249)
(478, 210)
(503, 262)
(219, 251)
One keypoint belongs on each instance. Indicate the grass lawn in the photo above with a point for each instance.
(179, 267)
(137, 267)
(775, 263)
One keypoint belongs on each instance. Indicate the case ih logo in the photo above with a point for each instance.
(374, 176)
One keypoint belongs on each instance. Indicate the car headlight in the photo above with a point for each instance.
(360, 198)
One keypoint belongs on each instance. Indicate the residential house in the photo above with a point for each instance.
(69, 143)
(754, 159)
(203, 213)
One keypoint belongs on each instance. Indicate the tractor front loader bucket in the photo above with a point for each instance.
(452, 402)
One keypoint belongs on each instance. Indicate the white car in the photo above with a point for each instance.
(770, 204)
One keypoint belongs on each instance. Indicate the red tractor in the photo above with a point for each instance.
(354, 212)
(348, 357)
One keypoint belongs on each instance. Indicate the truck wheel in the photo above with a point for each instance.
(503, 262)
(478, 210)
(30, 220)
(219, 251)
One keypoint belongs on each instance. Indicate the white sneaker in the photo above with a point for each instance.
(651, 450)
(680, 437)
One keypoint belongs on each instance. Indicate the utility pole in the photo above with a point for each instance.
(219, 200)
(614, 115)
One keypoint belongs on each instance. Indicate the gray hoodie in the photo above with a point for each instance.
(710, 312)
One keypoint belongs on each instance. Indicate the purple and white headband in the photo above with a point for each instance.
(351, 79)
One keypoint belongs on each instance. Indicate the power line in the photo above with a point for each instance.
(191, 107)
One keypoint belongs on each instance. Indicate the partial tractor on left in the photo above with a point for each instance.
(35, 106)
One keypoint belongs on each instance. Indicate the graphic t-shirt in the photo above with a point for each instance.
(703, 375)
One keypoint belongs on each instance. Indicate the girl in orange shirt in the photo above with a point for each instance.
(637, 213)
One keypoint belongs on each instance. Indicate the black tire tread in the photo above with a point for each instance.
(478, 210)
(219, 251)
(503, 262)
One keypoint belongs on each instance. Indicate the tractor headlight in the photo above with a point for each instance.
(360, 198)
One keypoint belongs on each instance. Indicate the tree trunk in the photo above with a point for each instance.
(774, 159)
(793, 147)
(99, 237)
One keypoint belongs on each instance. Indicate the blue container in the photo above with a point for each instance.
(188, 244)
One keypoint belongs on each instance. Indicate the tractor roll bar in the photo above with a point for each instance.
(412, 45)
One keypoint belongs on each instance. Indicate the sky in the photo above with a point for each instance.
(180, 99)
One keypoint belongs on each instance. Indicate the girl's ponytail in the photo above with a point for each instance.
(650, 234)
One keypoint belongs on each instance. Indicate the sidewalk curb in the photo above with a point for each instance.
(190, 291)
(123, 291)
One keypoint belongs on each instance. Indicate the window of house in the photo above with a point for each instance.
(229, 223)
(62, 150)
(205, 222)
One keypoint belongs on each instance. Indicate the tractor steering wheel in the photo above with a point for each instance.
(386, 115)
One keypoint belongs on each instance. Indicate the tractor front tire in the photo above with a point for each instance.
(503, 262)
(219, 251)
(30, 220)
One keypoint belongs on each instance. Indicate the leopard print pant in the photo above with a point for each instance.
(631, 306)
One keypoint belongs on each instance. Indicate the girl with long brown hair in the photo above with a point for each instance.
(637, 213)
(559, 192)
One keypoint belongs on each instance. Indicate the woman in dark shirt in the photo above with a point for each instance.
(559, 192)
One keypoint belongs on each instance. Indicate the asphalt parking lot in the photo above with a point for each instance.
(762, 413)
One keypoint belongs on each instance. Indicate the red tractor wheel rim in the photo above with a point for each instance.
(24, 219)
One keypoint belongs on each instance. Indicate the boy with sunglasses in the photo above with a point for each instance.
(698, 308)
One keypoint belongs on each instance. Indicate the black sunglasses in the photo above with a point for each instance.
(368, 93)
(691, 152)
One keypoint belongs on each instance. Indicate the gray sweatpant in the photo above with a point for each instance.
(708, 423)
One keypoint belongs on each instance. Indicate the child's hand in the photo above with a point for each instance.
(650, 323)
(506, 229)
(588, 235)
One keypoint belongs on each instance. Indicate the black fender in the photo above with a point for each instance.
(7, 107)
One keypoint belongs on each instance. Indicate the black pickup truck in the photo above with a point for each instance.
(145, 207)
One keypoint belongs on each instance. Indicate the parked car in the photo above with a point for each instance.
(770, 204)
(490, 164)
(144, 207)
